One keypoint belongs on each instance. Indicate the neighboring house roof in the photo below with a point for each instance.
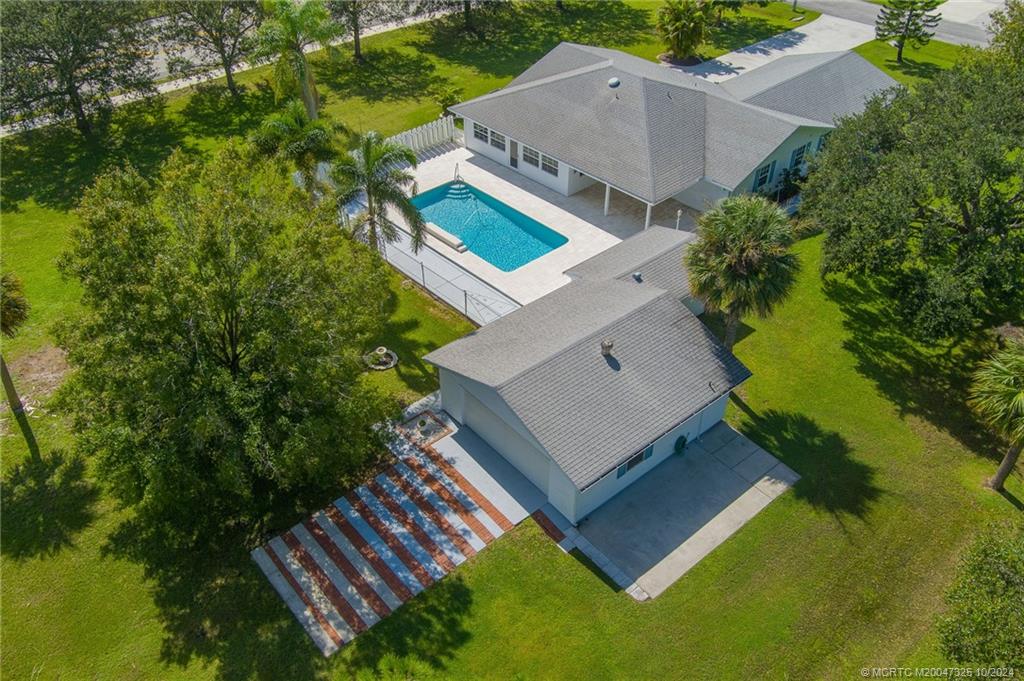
(588, 411)
(821, 87)
(656, 253)
(661, 130)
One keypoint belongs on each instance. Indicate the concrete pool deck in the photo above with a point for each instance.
(579, 218)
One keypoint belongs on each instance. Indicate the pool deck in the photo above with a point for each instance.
(579, 218)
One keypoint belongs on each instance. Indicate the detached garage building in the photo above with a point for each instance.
(588, 388)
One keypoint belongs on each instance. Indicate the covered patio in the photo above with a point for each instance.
(618, 204)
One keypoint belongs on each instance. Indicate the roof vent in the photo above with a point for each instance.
(614, 82)
(637, 277)
(606, 347)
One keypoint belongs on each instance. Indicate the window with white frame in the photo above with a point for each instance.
(497, 140)
(763, 176)
(549, 165)
(796, 159)
(531, 156)
(822, 140)
(480, 132)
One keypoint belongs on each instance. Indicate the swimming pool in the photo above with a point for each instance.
(498, 233)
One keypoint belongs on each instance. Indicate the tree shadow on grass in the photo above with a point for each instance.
(53, 165)
(46, 502)
(914, 69)
(514, 35)
(216, 607)
(831, 479)
(384, 75)
(400, 335)
(929, 382)
(429, 628)
(212, 111)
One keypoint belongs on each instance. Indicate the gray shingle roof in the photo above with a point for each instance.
(661, 130)
(588, 412)
(821, 87)
(656, 253)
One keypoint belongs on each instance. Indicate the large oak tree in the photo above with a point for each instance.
(926, 189)
(217, 359)
(66, 59)
(212, 31)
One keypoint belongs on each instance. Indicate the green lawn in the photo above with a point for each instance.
(844, 571)
(918, 65)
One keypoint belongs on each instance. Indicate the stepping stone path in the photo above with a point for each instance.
(352, 564)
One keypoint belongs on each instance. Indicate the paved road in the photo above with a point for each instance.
(971, 17)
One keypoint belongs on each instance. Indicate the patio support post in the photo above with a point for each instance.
(607, 197)
(647, 220)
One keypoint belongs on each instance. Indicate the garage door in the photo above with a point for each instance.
(506, 441)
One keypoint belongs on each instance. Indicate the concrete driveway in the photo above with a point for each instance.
(666, 522)
(824, 34)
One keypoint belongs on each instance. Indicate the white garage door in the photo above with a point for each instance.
(506, 441)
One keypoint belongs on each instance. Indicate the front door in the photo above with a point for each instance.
(513, 153)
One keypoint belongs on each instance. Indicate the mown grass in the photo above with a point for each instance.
(845, 571)
(918, 65)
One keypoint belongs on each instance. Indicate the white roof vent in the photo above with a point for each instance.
(614, 82)
(606, 347)
(638, 277)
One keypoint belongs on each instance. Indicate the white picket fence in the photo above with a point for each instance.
(428, 135)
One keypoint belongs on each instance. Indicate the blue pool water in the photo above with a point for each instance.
(498, 233)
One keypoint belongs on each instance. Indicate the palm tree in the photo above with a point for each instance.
(376, 169)
(292, 136)
(997, 395)
(742, 262)
(13, 313)
(683, 25)
(290, 26)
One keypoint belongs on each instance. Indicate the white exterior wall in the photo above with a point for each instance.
(781, 157)
(480, 408)
(610, 485)
(702, 195)
(566, 182)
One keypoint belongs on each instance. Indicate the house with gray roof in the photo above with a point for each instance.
(591, 386)
(583, 115)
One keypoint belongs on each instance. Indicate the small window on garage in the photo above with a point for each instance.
(480, 132)
(635, 460)
(497, 140)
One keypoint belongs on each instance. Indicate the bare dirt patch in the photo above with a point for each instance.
(36, 375)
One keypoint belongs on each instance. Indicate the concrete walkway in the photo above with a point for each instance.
(824, 34)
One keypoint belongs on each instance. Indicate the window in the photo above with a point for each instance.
(497, 140)
(531, 156)
(480, 132)
(635, 460)
(549, 165)
(822, 140)
(796, 159)
(763, 176)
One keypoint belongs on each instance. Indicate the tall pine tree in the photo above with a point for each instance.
(907, 22)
